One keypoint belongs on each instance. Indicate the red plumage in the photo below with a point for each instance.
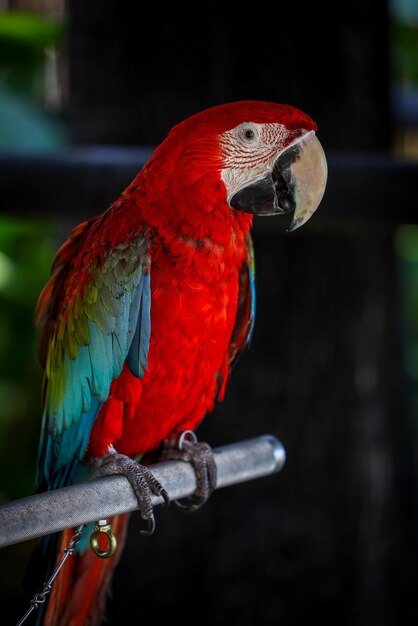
(194, 291)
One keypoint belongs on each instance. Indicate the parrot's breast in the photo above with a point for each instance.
(194, 297)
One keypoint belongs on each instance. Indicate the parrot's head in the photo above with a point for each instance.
(249, 157)
(273, 163)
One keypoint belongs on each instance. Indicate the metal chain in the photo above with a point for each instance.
(40, 598)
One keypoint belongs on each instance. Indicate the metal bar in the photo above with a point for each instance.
(72, 506)
(79, 182)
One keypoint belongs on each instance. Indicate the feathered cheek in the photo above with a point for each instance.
(294, 182)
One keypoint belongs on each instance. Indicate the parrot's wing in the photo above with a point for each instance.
(244, 321)
(94, 315)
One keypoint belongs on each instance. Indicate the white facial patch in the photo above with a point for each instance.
(249, 151)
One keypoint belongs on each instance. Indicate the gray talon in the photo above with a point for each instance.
(200, 455)
(142, 481)
(150, 527)
(165, 497)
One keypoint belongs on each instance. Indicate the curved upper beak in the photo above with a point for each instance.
(295, 184)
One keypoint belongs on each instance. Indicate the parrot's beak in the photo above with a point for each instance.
(296, 183)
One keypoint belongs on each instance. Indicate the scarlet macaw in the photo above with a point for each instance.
(150, 303)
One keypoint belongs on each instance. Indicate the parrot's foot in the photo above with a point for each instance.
(199, 454)
(142, 481)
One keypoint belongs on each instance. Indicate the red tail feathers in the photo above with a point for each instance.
(79, 592)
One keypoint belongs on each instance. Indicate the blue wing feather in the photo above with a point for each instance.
(137, 359)
(245, 318)
(251, 277)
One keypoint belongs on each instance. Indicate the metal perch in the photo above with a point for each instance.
(72, 506)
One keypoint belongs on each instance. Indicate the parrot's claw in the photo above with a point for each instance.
(142, 481)
(199, 454)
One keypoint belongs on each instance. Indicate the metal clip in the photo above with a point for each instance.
(103, 527)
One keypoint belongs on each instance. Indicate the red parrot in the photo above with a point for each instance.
(150, 303)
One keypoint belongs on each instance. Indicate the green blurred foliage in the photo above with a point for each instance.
(406, 245)
(404, 41)
(30, 29)
(24, 37)
(26, 249)
(26, 252)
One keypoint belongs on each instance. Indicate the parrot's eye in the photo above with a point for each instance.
(248, 135)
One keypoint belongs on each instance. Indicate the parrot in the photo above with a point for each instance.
(148, 307)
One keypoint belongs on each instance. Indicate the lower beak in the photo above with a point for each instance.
(296, 184)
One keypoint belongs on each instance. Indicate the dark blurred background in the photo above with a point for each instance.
(333, 369)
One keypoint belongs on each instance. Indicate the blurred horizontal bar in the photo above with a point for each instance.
(82, 181)
(72, 506)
